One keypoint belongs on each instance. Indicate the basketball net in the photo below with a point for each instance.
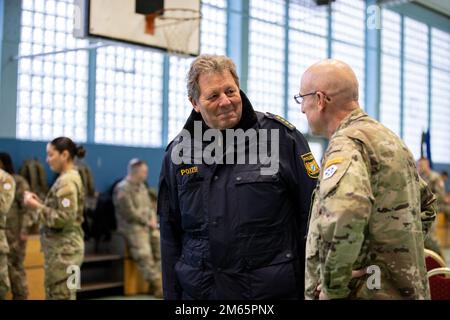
(150, 23)
(176, 26)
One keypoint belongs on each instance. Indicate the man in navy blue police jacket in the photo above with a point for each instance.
(233, 229)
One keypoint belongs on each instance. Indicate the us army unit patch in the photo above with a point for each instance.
(329, 172)
(65, 203)
(311, 165)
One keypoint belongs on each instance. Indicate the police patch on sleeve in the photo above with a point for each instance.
(7, 186)
(312, 169)
(65, 202)
(330, 171)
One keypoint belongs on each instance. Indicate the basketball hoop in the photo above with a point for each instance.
(177, 27)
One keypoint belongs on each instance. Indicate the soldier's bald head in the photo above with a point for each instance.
(335, 78)
(330, 93)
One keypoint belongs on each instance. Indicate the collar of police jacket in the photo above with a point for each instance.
(247, 121)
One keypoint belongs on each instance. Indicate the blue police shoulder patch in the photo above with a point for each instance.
(281, 120)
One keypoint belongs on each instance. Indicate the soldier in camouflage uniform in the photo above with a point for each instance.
(446, 205)
(7, 191)
(137, 222)
(17, 221)
(370, 207)
(437, 186)
(61, 216)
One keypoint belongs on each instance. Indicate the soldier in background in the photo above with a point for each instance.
(444, 177)
(61, 216)
(370, 209)
(437, 186)
(7, 191)
(18, 220)
(136, 219)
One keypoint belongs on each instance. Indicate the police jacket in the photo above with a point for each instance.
(227, 230)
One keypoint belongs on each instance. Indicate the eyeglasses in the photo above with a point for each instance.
(299, 97)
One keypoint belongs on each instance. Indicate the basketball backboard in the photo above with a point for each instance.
(175, 27)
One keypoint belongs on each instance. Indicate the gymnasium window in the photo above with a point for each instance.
(212, 41)
(307, 45)
(440, 96)
(214, 24)
(390, 70)
(266, 55)
(52, 89)
(128, 103)
(348, 25)
(415, 84)
(317, 151)
(179, 105)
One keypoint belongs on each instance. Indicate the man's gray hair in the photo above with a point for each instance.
(204, 64)
(135, 163)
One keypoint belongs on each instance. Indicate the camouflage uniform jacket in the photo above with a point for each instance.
(7, 191)
(132, 204)
(370, 209)
(19, 218)
(63, 209)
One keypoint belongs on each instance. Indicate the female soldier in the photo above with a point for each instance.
(61, 216)
(18, 220)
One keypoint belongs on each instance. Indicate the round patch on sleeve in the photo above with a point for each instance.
(65, 202)
(328, 173)
(7, 186)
